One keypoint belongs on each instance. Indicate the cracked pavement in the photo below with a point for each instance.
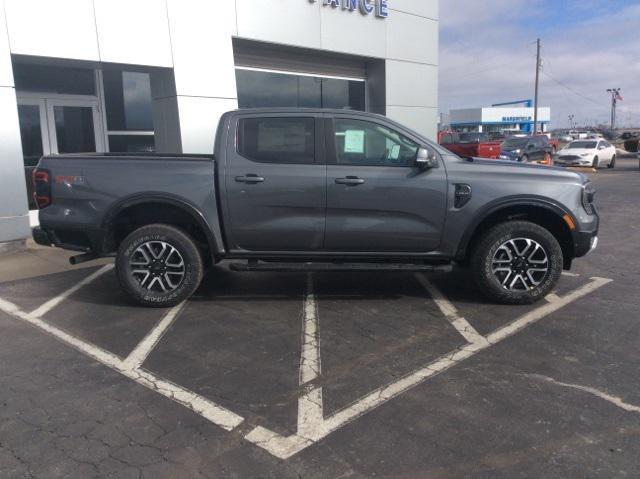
(556, 400)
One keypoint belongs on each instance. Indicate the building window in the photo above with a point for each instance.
(129, 115)
(54, 79)
(259, 88)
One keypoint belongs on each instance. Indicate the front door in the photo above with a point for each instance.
(378, 200)
(57, 124)
(275, 183)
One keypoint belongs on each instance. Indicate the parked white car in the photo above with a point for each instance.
(594, 153)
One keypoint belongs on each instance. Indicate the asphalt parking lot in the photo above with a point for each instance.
(330, 375)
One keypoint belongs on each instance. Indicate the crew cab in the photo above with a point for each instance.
(315, 190)
(471, 145)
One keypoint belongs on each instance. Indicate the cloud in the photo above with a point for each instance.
(487, 55)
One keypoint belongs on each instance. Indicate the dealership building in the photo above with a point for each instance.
(500, 117)
(156, 75)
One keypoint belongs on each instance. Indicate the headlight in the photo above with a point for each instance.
(588, 195)
(586, 154)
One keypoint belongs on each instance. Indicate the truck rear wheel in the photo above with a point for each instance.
(517, 262)
(159, 266)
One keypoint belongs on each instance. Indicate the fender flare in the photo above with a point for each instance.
(509, 202)
(181, 203)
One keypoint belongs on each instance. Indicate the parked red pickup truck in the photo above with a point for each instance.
(474, 144)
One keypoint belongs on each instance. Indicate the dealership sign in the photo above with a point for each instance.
(379, 8)
(515, 119)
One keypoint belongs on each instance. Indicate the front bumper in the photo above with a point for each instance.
(585, 243)
(587, 162)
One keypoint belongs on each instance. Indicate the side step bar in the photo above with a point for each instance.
(337, 267)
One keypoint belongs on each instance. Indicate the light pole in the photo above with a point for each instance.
(615, 96)
(571, 117)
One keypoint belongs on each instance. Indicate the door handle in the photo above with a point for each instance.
(350, 180)
(250, 179)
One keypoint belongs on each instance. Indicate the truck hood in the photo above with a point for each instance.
(529, 168)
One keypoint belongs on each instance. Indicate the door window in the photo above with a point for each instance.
(277, 140)
(363, 143)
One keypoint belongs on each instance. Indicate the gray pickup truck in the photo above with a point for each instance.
(315, 190)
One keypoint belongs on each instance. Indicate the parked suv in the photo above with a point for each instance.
(527, 149)
(315, 190)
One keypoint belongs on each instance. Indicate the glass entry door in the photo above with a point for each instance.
(57, 125)
(73, 126)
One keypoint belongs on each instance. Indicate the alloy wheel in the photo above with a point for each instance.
(157, 266)
(520, 264)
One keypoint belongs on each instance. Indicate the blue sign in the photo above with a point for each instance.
(366, 7)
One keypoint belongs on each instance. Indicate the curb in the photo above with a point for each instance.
(13, 247)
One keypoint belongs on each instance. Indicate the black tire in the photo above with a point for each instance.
(524, 159)
(185, 272)
(612, 163)
(596, 163)
(487, 247)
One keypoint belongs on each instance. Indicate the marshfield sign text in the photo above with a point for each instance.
(379, 8)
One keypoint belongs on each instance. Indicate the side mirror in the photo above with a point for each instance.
(426, 159)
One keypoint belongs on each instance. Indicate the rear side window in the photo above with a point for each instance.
(277, 140)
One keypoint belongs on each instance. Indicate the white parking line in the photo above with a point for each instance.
(142, 350)
(310, 403)
(545, 310)
(284, 447)
(450, 312)
(52, 303)
(211, 411)
(312, 426)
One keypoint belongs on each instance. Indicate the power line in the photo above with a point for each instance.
(575, 92)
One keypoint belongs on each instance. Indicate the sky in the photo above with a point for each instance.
(487, 55)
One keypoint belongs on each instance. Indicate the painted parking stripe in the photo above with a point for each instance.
(450, 312)
(209, 410)
(314, 426)
(310, 409)
(545, 310)
(52, 303)
(284, 447)
(151, 340)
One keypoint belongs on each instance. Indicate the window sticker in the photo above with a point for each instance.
(354, 141)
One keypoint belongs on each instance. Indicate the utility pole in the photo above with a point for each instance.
(615, 96)
(535, 106)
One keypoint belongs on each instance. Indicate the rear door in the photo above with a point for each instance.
(275, 183)
(378, 200)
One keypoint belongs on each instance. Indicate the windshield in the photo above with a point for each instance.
(586, 145)
(472, 137)
(515, 142)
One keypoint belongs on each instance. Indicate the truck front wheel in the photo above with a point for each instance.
(517, 262)
(159, 266)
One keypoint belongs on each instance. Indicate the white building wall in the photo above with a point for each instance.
(194, 37)
(14, 214)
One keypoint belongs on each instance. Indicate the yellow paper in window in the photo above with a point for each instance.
(354, 141)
